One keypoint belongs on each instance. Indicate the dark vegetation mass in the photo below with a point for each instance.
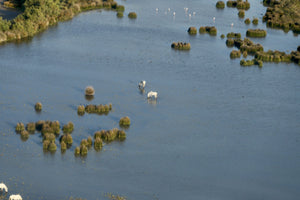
(181, 46)
(211, 30)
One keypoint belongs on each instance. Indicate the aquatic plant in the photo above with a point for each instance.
(239, 4)
(110, 135)
(89, 91)
(38, 106)
(233, 35)
(124, 121)
(63, 146)
(83, 142)
(245, 54)
(211, 30)
(235, 54)
(247, 45)
(121, 135)
(77, 151)
(192, 30)
(20, 127)
(30, 127)
(255, 21)
(132, 15)
(298, 49)
(256, 33)
(241, 14)
(222, 36)
(220, 4)
(83, 150)
(119, 14)
(52, 146)
(24, 134)
(46, 144)
(39, 125)
(68, 128)
(80, 110)
(98, 143)
(98, 109)
(229, 42)
(247, 21)
(181, 46)
(89, 141)
(49, 136)
(247, 63)
(120, 8)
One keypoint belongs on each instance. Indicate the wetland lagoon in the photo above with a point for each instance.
(217, 130)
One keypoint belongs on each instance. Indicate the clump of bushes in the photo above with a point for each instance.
(30, 127)
(124, 121)
(247, 63)
(283, 14)
(222, 36)
(120, 8)
(98, 144)
(67, 139)
(24, 135)
(235, 54)
(229, 42)
(80, 110)
(132, 15)
(234, 35)
(255, 21)
(245, 45)
(240, 4)
(98, 109)
(211, 30)
(52, 146)
(120, 14)
(277, 56)
(38, 106)
(49, 127)
(110, 135)
(63, 146)
(247, 21)
(89, 91)
(220, 4)
(192, 30)
(241, 14)
(68, 128)
(245, 54)
(181, 46)
(20, 127)
(256, 33)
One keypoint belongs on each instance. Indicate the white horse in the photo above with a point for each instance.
(152, 94)
(15, 197)
(142, 84)
(3, 187)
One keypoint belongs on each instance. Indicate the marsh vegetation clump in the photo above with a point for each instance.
(77, 151)
(234, 35)
(241, 14)
(89, 141)
(30, 127)
(181, 46)
(245, 54)
(83, 150)
(211, 30)
(39, 125)
(220, 5)
(248, 63)
(247, 21)
(52, 146)
(120, 14)
(255, 21)
(20, 127)
(110, 135)
(235, 54)
(120, 8)
(98, 144)
(49, 127)
(80, 110)
(38, 107)
(132, 15)
(230, 43)
(67, 138)
(222, 36)
(24, 135)
(49, 136)
(284, 14)
(63, 146)
(239, 4)
(98, 109)
(247, 45)
(68, 128)
(46, 144)
(89, 91)
(192, 30)
(256, 33)
(124, 121)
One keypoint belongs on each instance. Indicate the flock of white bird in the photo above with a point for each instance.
(151, 94)
(186, 11)
(3, 188)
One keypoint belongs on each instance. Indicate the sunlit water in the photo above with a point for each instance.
(217, 130)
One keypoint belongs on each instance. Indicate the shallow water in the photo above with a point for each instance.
(217, 130)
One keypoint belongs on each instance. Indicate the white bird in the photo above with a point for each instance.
(3, 187)
(174, 13)
(152, 94)
(156, 9)
(232, 24)
(169, 9)
(194, 13)
(15, 197)
(142, 84)
(190, 15)
(214, 19)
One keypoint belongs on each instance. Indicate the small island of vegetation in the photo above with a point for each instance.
(181, 46)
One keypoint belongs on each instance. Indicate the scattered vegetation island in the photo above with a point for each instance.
(211, 30)
(110, 135)
(192, 30)
(132, 15)
(241, 14)
(89, 91)
(247, 21)
(284, 14)
(96, 109)
(181, 46)
(234, 35)
(220, 5)
(38, 107)
(235, 54)
(124, 121)
(255, 21)
(119, 14)
(256, 33)
(239, 4)
(38, 15)
(222, 36)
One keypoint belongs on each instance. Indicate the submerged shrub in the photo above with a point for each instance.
(245, 54)
(120, 8)
(110, 135)
(38, 106)
(181, 46)
(83, 150)
(255, 21)
(89, 141)
(20, 127)
(52, 146)
(89, 91)
(247, 21)
(235, 54)
(68, 128)
(49, 136)
(124, 121)
(80, 110)
(98, 143)
(211, 30)
(24, 134)
(220, 4)
(192, 30)
(39, 125)
(256, 33)
(132, 15)
(46, 144)
(222, 36)
(229, 42)
(98, 109)
(30, 127)
(77, 151)
(63, 146)
(234, 35)
(119, 14)
(241, 14)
